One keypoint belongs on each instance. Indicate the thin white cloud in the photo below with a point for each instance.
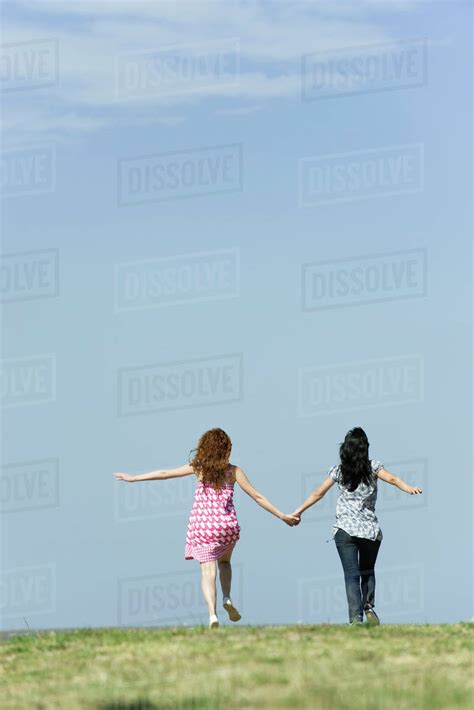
(91, 35)
(238, 110)
(171, 120)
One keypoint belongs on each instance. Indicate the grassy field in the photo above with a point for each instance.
(241, 667)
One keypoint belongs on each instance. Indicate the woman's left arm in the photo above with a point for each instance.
(388, 477)
(314, 496)
(159, 475)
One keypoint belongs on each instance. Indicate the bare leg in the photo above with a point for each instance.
(208, 585)
(225, 573)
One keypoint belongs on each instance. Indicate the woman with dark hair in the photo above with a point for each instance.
(357, 533)
(213, 529)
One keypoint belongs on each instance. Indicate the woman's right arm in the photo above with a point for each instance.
(315, 496)
(260, 499)
(396, 481)
(160, 475)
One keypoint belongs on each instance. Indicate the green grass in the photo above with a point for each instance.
(241, 667)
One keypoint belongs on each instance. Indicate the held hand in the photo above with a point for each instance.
(414, 490)
(290, 520)
(124, 477)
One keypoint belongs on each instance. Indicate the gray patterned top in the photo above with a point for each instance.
(355, 510)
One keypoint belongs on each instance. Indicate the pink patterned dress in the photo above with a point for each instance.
(213, 527)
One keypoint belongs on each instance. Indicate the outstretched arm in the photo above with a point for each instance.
(260, 499)
(314, 496)
(395, 481)
(159, 475)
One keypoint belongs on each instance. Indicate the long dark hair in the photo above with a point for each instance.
(355, 464)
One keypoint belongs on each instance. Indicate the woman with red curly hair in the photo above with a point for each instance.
(213, 528)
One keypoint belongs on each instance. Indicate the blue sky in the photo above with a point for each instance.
(90, 127)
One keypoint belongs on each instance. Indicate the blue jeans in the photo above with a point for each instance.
(358, 557)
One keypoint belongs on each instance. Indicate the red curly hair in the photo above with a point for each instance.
(211, 458)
